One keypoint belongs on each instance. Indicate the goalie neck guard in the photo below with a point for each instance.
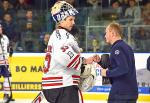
(62, 10)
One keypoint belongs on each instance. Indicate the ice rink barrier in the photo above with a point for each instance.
(26, 71)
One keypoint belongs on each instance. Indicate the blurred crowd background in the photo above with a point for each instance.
(29, 24)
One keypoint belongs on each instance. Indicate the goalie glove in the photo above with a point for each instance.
(86, 83)
(105, 61)
(85, 70)
(87, 77)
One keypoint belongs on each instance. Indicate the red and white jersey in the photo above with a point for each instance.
(4, 42)
(62, 61)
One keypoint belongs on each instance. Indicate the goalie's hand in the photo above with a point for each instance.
(90, 60)
(105, 61)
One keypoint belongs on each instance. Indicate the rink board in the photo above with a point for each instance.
(26, 71)
(86, 95)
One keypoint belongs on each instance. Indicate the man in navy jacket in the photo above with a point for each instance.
(122, 72)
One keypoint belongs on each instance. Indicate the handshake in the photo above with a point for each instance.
(103, 61)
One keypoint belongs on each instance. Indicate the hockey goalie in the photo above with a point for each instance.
(62, 66)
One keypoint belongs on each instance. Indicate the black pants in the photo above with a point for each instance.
(62, 95)
(4, 71)
(117, 98)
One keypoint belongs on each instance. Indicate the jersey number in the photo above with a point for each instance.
(47, 59)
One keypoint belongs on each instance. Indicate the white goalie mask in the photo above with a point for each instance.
(61, 10)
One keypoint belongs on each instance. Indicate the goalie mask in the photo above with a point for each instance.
(67, 57)
(62, 10)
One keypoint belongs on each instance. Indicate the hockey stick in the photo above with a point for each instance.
(10, 97)
(38, 98)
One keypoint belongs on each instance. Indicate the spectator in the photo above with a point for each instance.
(93, 3)
(124, 5)
(44, 42)
(146, 14)
(22, 5)
(93, 11)
(6, 7)
(21, 8)
(29, 38)
(140, 38)
(43, 4)
(72, 2)
(10, 27)
(133, 13)
(29, 17)
(118, 9)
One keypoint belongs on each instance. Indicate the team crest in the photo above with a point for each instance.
(117, 52)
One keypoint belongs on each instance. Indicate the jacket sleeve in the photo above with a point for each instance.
(121, 64)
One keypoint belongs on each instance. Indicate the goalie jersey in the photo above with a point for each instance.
(62, 61)
(4, 43)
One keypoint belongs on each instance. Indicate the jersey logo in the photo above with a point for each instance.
(117, 52)
(67, 34)
(71, 55)
(58, 34)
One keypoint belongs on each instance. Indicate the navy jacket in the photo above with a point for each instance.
(122, 72)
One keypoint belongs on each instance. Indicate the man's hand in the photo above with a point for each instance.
(96, 58)
(103, 72)
(92, 59)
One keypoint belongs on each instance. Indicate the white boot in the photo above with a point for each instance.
(7, 99)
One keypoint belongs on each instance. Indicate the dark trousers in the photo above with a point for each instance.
(62, 95)
(4, 71)
(122, 98)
